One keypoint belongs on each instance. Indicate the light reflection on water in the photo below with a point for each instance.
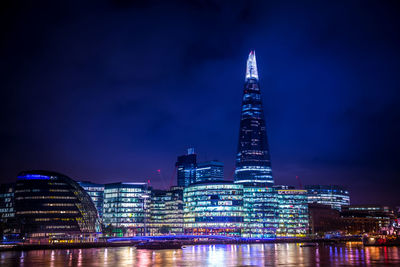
(209, 255)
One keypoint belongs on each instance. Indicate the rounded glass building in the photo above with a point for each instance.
(52, 205)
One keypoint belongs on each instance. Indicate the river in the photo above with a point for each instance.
(352, 254)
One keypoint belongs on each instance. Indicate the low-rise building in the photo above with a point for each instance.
(292, 213)
(213, 208)
(332, 195)
(127, 208)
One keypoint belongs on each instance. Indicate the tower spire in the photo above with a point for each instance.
(251, 68)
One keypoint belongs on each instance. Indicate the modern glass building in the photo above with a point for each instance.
(157, 224)
(166, 209)
(292, 213)
(261, 212)
(174, 210)
(253, 165)
(332, 195)
(6, 202)
(52, 205)
(186, 169)
(213, 208)
(126, 207)
(209, 171)
(96, 193)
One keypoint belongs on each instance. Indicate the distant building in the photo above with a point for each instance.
(359, 219)
(96, 193)
(6, 202)
(8, 224)
(186, 169)
(126, 208)
(214, 208)
(209, 171)
(51, 205)
(261, 212)
(253, 164)
(323, 219)
(292, 213)
(333, 195)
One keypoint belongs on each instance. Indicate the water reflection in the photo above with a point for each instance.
(352, 254)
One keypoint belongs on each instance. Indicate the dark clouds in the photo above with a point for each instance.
(114, 90)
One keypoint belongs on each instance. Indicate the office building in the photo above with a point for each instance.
(253, 164)
(6, 202)
(126, 208)
(186, 168)
(96, 193)
(209, 171)
(332, 195)
(292, 216)
(261, 211)
(213, 208)
(51, 205)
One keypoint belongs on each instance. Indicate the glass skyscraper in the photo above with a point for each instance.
(210, 171)
(186, 169)
(253, 164)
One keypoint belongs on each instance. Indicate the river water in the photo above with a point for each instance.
(353, 254)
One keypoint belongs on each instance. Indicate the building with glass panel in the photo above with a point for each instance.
(52, 205)
(6, 202)
(96, 193)
(186, 168)
(157, 224)
(174, 210)
(253, 165)
(261, 211)
(332, 195)
(209, 171)
(292, 214)
(126, 207)
(166, 211)
(213, 208)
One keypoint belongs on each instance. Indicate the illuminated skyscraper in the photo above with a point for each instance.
(253, 164)
(186, 169)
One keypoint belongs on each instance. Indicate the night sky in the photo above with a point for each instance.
(112, 91)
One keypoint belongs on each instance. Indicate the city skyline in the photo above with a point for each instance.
(117, 105)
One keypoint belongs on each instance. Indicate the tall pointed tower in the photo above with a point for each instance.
(253, 165)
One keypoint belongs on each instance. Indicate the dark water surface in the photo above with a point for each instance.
(353, 254)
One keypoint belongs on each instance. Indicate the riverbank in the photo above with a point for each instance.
(102, 244)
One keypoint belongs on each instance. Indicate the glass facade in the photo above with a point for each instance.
(186, 169)
(6, 202)
(292, 213)
(253, 165)
(126, 207)
(209, 171)
(166, 210)
(332, 195)
(96, 193)
(174, 210)
(51, 205)
(213, 209)
(261, 211)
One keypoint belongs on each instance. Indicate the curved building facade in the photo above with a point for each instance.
(51, 205)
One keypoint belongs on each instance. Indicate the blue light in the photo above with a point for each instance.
(34, 177)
